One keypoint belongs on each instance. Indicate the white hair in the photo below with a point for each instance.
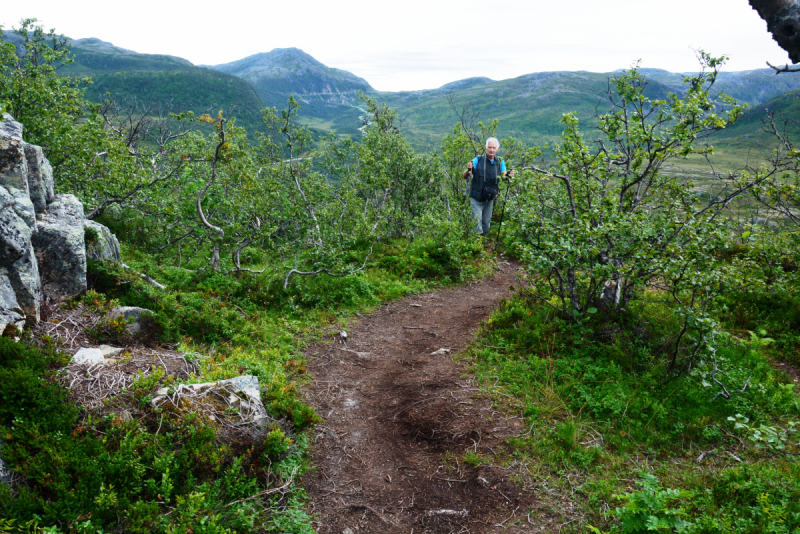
(493, 139)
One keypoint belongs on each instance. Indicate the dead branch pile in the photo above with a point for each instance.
(91, 384)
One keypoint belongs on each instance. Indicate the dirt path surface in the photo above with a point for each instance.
(400, 419)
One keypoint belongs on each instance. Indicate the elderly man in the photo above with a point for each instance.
(486, 172)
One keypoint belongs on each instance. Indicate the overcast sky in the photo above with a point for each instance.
(421, 44)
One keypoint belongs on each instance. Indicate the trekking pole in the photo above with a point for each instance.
(503, 213)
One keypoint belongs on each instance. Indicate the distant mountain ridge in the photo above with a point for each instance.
(325, 93)
(529, 107)
(148, 78)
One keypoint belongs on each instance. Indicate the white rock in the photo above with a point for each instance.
(90, 356)
(343, 334)
(162, 391)
(109, 351)
(348, 531)
(246, 383)
(440, 352)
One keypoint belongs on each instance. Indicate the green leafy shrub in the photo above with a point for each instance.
(104, 474)
(653, 509)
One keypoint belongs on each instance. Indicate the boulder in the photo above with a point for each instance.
(59, 246)
(132, 316)
(40, 177)
(104, 246)
(11, 314)
(15, 234)
(24, 278)
(5, 472)
(14, 169)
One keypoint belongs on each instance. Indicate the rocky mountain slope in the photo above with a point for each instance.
(328, 96)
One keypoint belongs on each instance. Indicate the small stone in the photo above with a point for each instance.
(233, 399)
(348, 531)
(162, 391)
(440, 352)
(90, 356)
(343, 334)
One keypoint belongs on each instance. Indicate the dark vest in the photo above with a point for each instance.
(490, 178)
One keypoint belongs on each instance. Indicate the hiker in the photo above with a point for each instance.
(485, 171)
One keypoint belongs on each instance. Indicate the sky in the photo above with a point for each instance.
(423, 44)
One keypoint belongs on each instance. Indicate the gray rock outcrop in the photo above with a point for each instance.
(40, 178)
(105, 246)
(10, 311)
(42, 248)
(14, 170)
(60, 248)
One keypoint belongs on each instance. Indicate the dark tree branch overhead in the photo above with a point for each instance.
(783, 22)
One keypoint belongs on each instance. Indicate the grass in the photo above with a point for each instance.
(607, 433)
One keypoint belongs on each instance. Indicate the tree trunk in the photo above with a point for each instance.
(783, 22)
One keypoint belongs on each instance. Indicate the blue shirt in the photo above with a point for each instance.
(502, 164)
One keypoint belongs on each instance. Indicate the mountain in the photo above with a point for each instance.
(151, 78)
(529, 107)
(748, 133)
(752, 87)
(162, 78)
(328, 96)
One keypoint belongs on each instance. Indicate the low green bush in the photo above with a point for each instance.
(93, 475)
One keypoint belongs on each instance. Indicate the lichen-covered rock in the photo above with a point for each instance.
(40, 177)
(24, 277)
(15, 234)
(10, 311)
(13, 164)
(59, 246)
(14, 169)
(104, 245)
(132, 315)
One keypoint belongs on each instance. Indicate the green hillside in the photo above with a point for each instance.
(529, 107)
(161, 78)
(750, 131)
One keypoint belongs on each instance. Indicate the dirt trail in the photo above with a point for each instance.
(399, 421)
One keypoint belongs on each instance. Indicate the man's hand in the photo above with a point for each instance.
(509, 175)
